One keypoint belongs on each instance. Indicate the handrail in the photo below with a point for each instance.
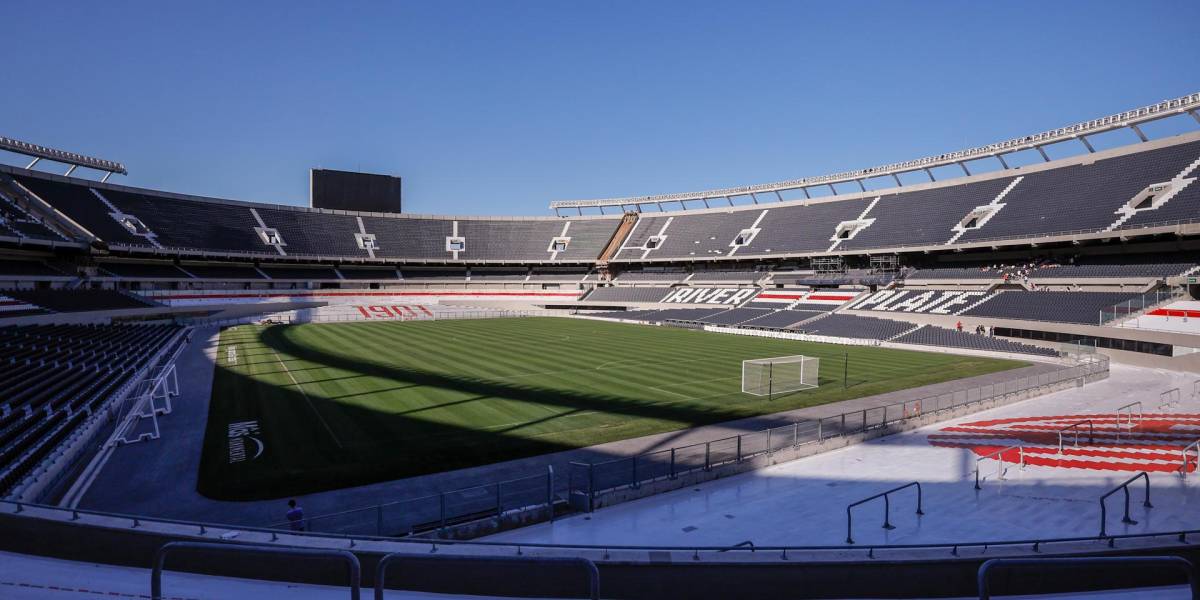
(1000, 453)
(1184, 565)
(1170, 397)
(887, 508)
(1183, 469)
(1129, 421)
(1125, 488)
(746, 544)
(136, 521)
(585, 565)
(1075, 427)
(160, 557)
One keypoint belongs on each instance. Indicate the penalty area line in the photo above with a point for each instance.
(309, 401)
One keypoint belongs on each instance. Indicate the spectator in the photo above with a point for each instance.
(295, 515)
(959, 326)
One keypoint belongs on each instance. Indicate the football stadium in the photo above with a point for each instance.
(966, 373)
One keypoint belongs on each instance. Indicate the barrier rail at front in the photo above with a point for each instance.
(1183, 468)
(1179, 563)
(887, 508)
(1075, 428)
(540, 564)
(999, 456)
(160, 556)
(1127, 412)
(1124, 487)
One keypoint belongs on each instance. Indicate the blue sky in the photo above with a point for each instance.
(500, 107)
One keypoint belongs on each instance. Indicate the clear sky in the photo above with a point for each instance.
(500, 107)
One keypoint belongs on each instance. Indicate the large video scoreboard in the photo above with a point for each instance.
(347, 190)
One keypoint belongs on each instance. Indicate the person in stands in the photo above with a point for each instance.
(959, 326)
(295, 516)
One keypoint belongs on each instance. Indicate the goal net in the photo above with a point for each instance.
(768, 376)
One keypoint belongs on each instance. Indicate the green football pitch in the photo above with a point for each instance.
(304, 408)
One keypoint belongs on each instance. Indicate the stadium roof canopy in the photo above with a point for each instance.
(61, 156)
(1189, 104)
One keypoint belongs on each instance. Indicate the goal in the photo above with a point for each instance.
(780, 375)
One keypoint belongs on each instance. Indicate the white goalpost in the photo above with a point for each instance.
(779, 375)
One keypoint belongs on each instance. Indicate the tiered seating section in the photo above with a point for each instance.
(66, 301)
(53, 377)
(198, 224)
(1140, 266)
(1059, 307)
(1065, 199)
(949, 338)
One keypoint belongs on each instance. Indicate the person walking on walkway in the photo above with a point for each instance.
(295, 515)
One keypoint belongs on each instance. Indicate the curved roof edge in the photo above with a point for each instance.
(1130, 118)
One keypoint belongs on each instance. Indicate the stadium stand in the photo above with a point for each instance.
(438, 275)
(626, 294)
(225, 271)
(299, 273)
(650, 276)
(727, 276)
(368, 273)
(942, 273)
(1084, 196)
(56, 376)
(12, 307)
(782, 319)
(735, 316)
(27, 268)
(922, 217)
(142, 270)
(1060, 307)
(927, 335)
(79, 300)
(192, 224)
(83, 206)
(573, 275)
(314, 233)
(501, 275)
(854, 326)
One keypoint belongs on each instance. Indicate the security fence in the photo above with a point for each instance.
(587, 480)
(437, 512)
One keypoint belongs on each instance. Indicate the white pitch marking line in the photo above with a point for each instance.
(308, 400)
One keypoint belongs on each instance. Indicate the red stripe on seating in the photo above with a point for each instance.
(353, 294)
(1174, 312)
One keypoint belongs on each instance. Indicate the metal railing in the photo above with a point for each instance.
(1074, 428)
(1139, 562)
(887, 508)
(1170, 398)
(437, 512)
(178, 527)
(1183, 468)
(1126, 519)
(353, 567)
(580, 566)
(586, 480)
(1128, 424)
(999, 456)
(1139, 304)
